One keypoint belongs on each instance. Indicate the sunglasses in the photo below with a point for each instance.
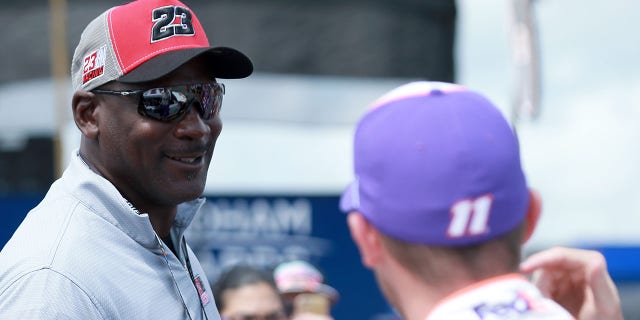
(169, 103)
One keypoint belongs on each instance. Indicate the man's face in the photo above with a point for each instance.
(257, 301)
(155, 164)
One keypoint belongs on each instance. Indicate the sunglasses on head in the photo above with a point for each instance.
(169, 103)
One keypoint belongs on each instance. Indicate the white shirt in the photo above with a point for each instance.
(84, 253)
(502, 298)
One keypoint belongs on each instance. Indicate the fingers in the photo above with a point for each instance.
(604, 291)
(545, 266)
(543, 281)
(561, 258)
(578, 279)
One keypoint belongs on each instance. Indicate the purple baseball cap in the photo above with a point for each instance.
(437, 164)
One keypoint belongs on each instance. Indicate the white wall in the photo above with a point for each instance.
(286, 134)
(582, 153)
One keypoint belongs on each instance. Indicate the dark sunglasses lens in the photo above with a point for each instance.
(163, 103)
(208, 98)
(169, 103)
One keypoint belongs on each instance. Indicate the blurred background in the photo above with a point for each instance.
(565, 73)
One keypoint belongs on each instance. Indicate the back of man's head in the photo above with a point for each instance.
(437, 168)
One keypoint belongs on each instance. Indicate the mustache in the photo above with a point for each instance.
(192, 147)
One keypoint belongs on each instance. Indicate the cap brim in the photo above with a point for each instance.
(350, 200)
(225, 63)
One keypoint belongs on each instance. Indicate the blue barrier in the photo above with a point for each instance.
(623, 262)
(14, 208)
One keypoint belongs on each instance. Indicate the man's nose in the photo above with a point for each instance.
(192, 125)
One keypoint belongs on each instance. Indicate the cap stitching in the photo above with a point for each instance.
(113, 43)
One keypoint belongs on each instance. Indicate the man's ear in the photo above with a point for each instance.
(83, 106)
(366, 238)
(533, 214)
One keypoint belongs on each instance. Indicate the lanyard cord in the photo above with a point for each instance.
(166, 260)
(164, 255)
(186, 258)
(175, 283)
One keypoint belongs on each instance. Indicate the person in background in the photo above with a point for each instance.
(303, 290)
(107, 241)
(248, 293)
(440, 207)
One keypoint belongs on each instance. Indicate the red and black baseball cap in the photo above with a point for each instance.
(145, 40)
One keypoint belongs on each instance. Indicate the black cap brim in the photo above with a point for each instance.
(223, 62)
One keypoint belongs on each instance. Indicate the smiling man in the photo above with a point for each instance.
(107, 240)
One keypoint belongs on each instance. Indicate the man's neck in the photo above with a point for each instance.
(415, 297)
(408, 293)
(169, 242)
(162, 223)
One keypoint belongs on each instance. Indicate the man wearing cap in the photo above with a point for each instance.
(440, 206)
(107, 241)
(302, 288)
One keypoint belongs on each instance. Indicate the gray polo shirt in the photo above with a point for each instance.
(84, 253)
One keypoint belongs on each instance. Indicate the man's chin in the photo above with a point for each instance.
(188, 192)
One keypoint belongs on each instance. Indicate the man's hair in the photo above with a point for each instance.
(434, 264)
(239, 276)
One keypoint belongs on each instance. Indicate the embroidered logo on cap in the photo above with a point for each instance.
(171, 21)
(93, 65)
